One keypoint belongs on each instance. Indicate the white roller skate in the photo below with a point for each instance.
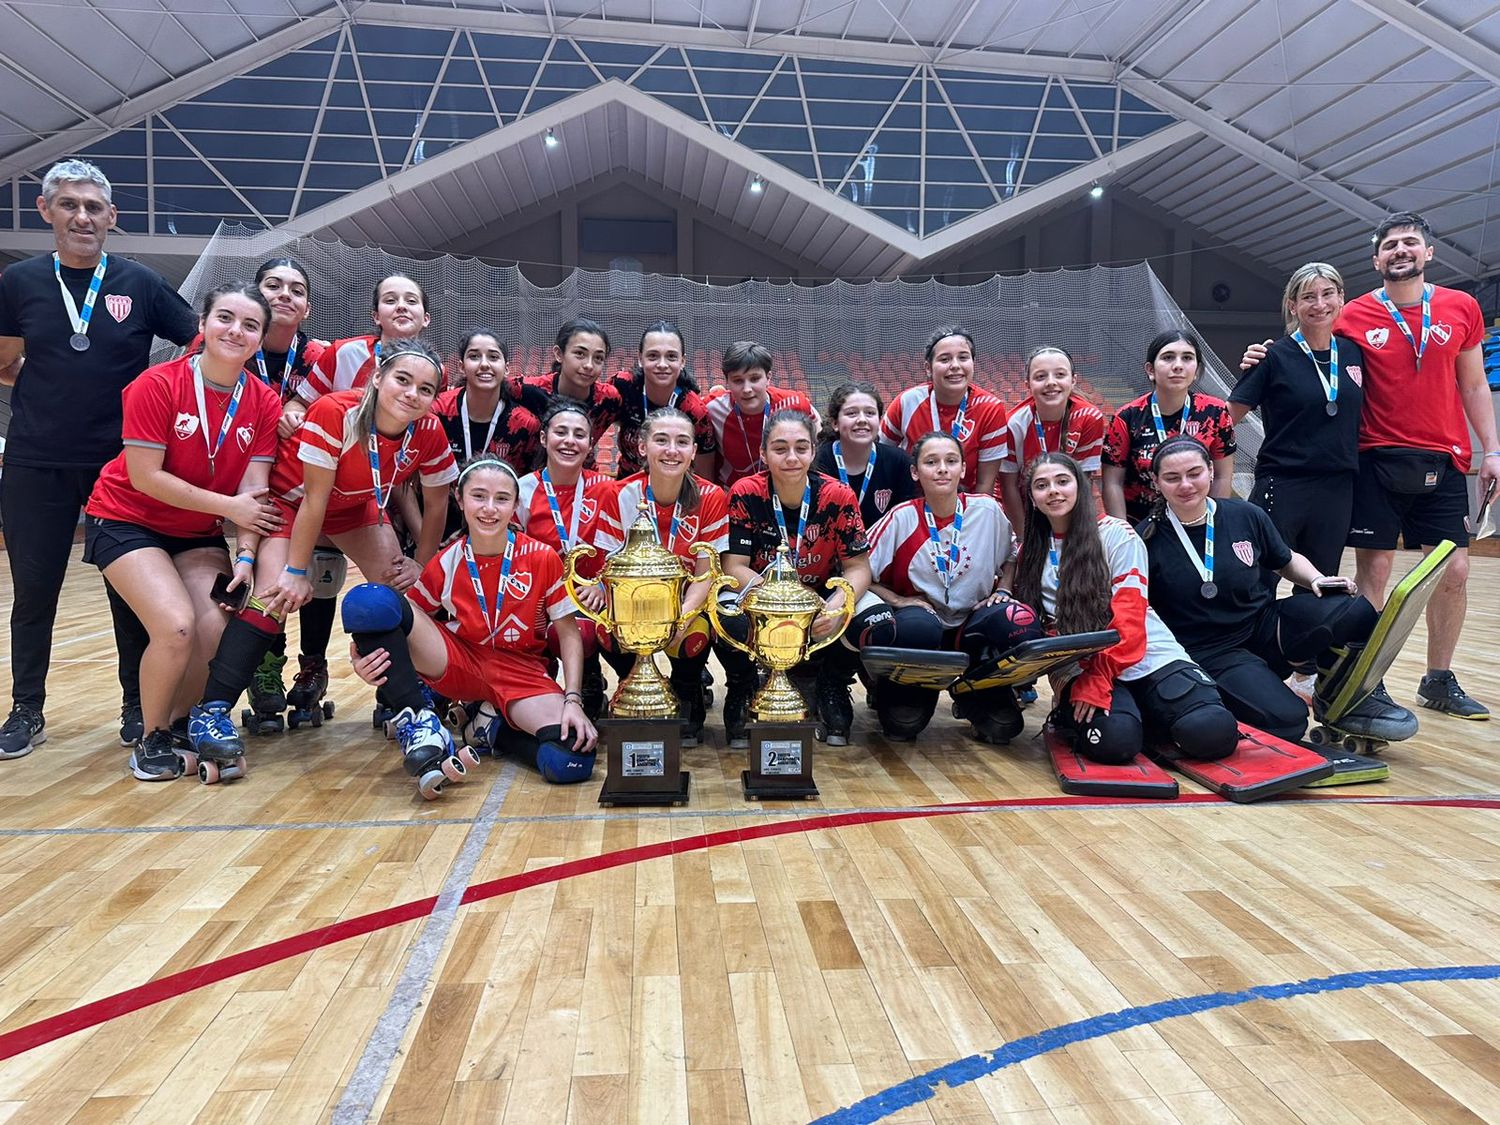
(427, 751)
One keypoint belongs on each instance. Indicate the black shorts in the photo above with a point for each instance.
(104, 541)
(1422, 519)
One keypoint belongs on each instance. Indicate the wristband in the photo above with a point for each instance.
(1493, 453)
(573, 695)
(245, 556)
(299, 571)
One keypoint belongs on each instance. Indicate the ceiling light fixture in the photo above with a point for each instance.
(757, 185)
(1097, 191)
(550, 140)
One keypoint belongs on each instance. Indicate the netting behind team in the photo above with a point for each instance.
(820, 334)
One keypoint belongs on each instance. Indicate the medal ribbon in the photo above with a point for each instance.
(801, 520)
(229, 412)
(1401, 320)
(958, 419)
(81, 319)
(491, 623)
(655, 522)
(838, 459)
(286, 372)
(489, 434)
(1205, 568)
(1331, 383)
(1041, 432)
(947, 564)
(1052, 553)
(382, 494)
(568, 537)
(1161, 431)
(752, 461)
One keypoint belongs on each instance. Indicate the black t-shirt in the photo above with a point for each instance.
(65, 407)
(631, 389)
(892, 484)
(834, 531)
(1300, 436)
(1245, 540)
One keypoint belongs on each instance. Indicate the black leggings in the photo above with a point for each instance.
(1291, 634)
(1311, 512)
(991, 630)
(1177, 703)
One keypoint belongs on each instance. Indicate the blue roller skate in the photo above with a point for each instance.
(217, 752)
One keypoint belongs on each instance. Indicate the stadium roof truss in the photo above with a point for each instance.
(880, 135)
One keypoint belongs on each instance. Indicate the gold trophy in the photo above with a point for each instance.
(781, 611)
(644, 586)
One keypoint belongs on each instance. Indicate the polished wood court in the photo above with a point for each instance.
(745, 963)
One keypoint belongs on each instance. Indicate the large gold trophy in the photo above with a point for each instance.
(781, 612)
(644, 586)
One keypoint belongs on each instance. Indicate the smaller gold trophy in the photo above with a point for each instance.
(781, 611)
(644, 585)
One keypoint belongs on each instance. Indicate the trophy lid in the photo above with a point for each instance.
(782, 591)
(642, 556)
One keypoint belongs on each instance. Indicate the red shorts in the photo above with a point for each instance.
(494, 675)
(338, 521)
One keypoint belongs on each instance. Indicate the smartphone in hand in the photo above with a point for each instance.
(232, 600)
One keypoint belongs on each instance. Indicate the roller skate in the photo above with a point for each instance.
(477, 724)
(428, 753)
(267, 697)
(217, 752)
(383, 718)
(835, 707)
(993, 714)
(308, 689)
(691, 706)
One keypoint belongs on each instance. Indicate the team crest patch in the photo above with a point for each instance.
(1377, 337)
(1355, 373)
(185, 426)
(587, 509)
(518, 585)
(689, 528)
(966, 429)
(119, 306)
(405, 455)
(1442, 332)
(512, 629)
(245, 435)
(1244, 552)
(882, 499)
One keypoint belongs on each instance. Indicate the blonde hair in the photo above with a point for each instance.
(1312, 271)
(364, 420)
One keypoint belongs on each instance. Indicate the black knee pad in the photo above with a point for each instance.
(1206, 732)
(904, 711)
(1110, 740)
(875, 626)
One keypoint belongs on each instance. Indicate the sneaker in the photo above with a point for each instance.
(1439, 691)
(736, 716)
(835, 710)
(1303, 686)
(211, 729)
(23, 732)
(131, 727)
(155, 759)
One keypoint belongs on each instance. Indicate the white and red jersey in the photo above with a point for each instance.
(1146, 645)
(328, 439)
(916, 412)
(577, 507)
(621, 502)
(161, 412)
(1079, 434)
(903, 557)
(534, 595)
(739, 436)
(1404, 407)
(344, 365)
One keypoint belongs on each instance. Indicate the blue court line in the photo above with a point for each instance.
(925, 1086)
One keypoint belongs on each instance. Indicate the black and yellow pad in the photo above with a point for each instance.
(1349, 768)
(1402, 611)
(914, 667)
(1077, 775)
(1033, 660)
(1261, 766)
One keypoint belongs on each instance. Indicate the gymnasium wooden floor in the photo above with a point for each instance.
(316, 942)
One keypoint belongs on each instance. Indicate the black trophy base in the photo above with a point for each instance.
(642, 759)
(780, 761)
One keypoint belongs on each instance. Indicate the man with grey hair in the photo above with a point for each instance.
(76, 326)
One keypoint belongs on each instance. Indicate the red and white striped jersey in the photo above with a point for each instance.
(1083, 440)
(739, 436)
(534, 594)
(344, 365)
(916, 412)
(620, 503)
(904, 559)
(580, 500)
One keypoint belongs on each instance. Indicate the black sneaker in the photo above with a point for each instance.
(23, 732)
(835, 710)
(155, 759)
(1440, 692)
(736, 716)
(131, 727)
(181, 740)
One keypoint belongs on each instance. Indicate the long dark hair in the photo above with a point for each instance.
(689, 497)
(1083, 577)
(830, 428)
(1177, 443)
(578, 326)
(666, 327)
(463, 347)
(291, 264)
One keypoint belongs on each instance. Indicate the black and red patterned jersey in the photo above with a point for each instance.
(604, 405)
(1131, 440)
(515, 439)
(634, 409)
(833, 532)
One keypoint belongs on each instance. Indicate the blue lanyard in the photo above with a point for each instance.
(801, 520)
(1161, 432)
(491, 623)
(1052, 553)
(1401, 320)
(81, 319)
(752, 463)
(1330, 384)
(286, 372)
(565, 537)
(838, 459)
(956, 429)
(947, 565)
(1206, 568)
(655, 527)
(229, 412)
(382, 495)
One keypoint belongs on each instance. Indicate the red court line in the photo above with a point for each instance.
(169, 987)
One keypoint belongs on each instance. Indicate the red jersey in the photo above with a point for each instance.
(739, 436)
(515, 437)
(1083, 441)
(327, 439)
(916, 412)
(534, 595)
(834, 531)
(1404, 407)
(283, 372)
(620, 504)
(577, 508)
(344, 365)
(605, 406)
(161, 412)
(633, 414)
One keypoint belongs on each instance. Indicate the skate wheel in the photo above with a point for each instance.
(468, 758)
(430, 784)
(247, 719)
(389, 727)
(1317, 736)
(233, 770)
(328, 710)
(208, 772)
(293, 721)
(189, 760)
(316, 716)
(453, 769)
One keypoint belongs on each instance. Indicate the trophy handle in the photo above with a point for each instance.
(570, 577)
(711, 607)
(714, 575)
(849, 600)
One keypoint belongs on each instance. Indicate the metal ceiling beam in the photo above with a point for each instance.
(1274, 160)
(1441, 36)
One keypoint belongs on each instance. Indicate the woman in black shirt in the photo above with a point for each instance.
(850, 450)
